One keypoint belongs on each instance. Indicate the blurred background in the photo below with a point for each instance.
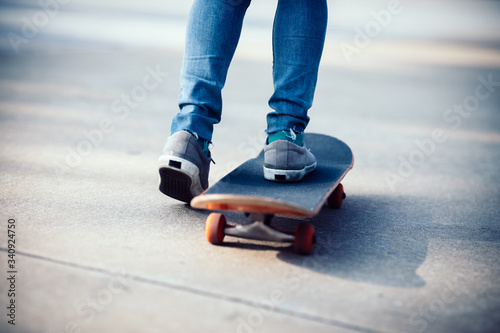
(429, 32)
(377, 56)
(80, 134)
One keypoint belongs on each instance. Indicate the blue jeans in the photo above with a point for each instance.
(213, 32)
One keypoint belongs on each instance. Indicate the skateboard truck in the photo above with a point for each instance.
(260, 229)
(216, 228)
(303, 239)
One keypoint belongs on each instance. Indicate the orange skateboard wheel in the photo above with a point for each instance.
(214, 228)
(305, 237)
(337, 197)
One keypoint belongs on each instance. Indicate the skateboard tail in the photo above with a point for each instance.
(259, 204)
(249, 204)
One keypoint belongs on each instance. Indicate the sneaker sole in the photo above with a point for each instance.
(287, 176)
(176, 184)
(176, 180)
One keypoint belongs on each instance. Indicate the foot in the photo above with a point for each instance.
(183, 167)
(287, 159)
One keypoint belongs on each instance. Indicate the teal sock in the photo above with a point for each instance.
(294, 137)
(204, 144)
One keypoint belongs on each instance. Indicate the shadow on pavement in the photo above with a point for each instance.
(379, 240)
(370, 240)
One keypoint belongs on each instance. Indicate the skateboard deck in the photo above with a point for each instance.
(245, 190)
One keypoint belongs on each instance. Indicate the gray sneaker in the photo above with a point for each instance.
(284, 161)
(183, 167)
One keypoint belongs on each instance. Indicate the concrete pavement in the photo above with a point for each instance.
(85, 103)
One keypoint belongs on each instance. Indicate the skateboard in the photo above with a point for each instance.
(245, 190)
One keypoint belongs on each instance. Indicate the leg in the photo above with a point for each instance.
(298, 39)
(212, 35)
(213, 32)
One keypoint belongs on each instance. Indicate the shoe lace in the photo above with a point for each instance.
(291, 135)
